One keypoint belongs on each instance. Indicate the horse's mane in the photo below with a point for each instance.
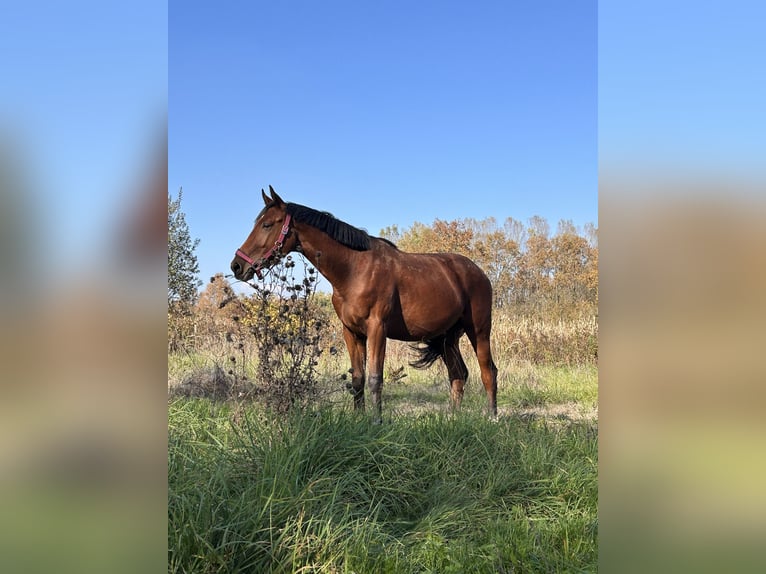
(350, 236)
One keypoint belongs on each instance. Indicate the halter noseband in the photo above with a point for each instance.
(275, 250)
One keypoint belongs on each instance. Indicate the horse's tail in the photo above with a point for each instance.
(429, 352)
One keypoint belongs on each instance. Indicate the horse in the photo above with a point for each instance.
(380, 293)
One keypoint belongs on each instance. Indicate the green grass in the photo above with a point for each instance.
(182, 364)
(545, 385)
(520, 386)
(328, 491)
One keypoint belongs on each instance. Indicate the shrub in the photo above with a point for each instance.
(287, 332)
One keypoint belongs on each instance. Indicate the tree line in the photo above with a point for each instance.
(534, 273)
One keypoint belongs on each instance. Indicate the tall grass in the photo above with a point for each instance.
(329, 492)
(570, 342)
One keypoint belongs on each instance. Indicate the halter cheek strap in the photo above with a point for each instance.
(275, 249)
(244, 256)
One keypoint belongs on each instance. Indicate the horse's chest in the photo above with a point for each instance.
(354, 318)
(357, 313)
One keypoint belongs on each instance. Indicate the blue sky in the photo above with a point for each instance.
(381, 113)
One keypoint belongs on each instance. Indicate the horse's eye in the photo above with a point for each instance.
(267, 225)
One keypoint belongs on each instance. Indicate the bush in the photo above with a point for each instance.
(287, 332)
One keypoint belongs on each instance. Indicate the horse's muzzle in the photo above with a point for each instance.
(242, 273)
(236, 268)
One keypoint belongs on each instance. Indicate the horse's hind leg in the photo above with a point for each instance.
(376, 345)
(480, 342)
(488, 371)
(458, 372)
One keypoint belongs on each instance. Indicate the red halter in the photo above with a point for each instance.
(271, 252)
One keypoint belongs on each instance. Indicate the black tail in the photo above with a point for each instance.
(429, 353)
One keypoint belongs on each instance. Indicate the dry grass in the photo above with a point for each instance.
(571, 342)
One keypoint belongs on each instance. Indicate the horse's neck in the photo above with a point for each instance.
(331, 258)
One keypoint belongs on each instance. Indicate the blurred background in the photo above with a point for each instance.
(83, 172)
(682, 136)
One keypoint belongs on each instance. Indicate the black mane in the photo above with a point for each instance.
(350, 236)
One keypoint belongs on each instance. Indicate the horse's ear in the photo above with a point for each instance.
(265, 197)
(274, 197)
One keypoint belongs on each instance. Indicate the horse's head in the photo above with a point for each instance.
(270, 238)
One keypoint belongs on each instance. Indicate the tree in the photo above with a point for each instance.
(216, 310)
(497, 254)
(440, 237)
(570, 257)
(391, 233)
(183, 269)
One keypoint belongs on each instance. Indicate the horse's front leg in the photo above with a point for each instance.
(357, 350)
(376, 346)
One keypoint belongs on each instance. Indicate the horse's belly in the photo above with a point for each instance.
(420, 328)
(403, 334)
(425, 310)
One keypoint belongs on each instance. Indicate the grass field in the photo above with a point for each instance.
(427, 491)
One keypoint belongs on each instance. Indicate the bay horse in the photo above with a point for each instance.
(380, 292)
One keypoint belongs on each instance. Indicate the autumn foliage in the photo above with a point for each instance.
(534, 274)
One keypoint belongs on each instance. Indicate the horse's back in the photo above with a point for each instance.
(454, 269)
(470, 274)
